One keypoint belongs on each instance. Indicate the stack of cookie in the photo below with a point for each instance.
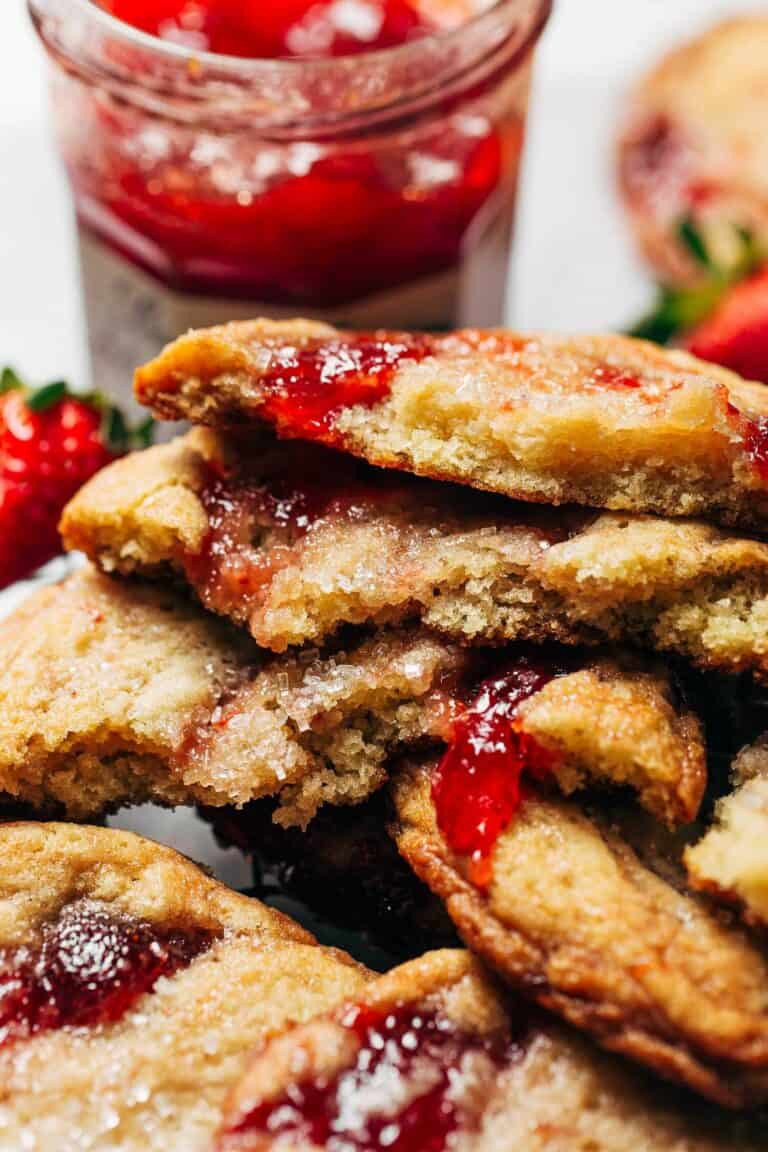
(505, 600)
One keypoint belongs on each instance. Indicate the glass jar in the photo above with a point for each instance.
(374, 190)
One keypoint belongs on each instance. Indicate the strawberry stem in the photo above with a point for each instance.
(9, 380)
(677, 310)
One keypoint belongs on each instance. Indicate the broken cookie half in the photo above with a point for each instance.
(587, 915)
(431, 1056)
(731, 859)
(598, 420)
(293, 541)
(115, 693)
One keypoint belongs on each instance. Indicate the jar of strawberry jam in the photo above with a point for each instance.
(350, 160)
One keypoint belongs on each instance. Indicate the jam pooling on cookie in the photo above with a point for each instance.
(608, 377)
(308, 384)
(416, 1080)
(255, 523)
(258, 520)
(476, 788)
(90, 966)
(279, 28)
(232, 570)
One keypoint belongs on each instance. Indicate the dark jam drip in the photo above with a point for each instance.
(307, 385)
(417, 1080)
(89, 968)
(259, 29)
(476, 788)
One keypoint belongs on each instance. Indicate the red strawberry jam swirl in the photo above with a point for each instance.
(476, 788)
(416, 1081)
(233, 569)
(608, 378)
(255, 524)
(307, 385)
(90, 967)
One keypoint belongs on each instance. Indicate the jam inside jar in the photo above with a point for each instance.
(361, 171)
(253, 30)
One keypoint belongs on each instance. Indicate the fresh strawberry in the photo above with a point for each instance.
(736, 335)
(51, 442)
(679, 311)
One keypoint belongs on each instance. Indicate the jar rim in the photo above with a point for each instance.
(246, 68)
(292, 97)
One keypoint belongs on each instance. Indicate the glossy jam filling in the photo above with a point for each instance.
(255, 525)
(90, 966)
(608, 378)
(476, 788)
(308, 225)
(418, 1078)
(307, 385)
(256, 29)
(233, 570)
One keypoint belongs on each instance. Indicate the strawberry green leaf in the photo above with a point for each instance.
(114, 430)
(692, 238)
(46, 396)
(143, 434)
(677, 310)
(117, 434)
(10, 380)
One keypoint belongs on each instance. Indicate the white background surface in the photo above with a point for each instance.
(574, 266)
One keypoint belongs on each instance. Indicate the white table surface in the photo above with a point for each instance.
(574, 267)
